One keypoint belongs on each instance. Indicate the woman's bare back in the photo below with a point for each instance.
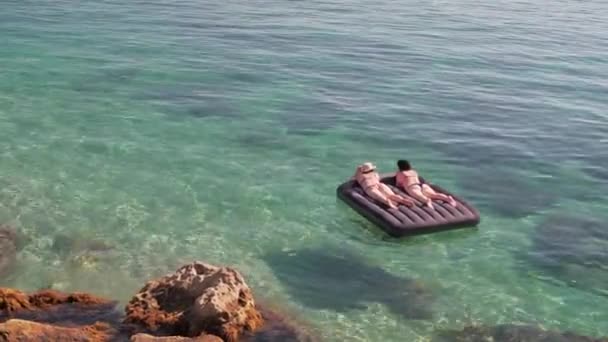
(406, 179)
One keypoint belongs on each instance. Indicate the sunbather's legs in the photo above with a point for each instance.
(429, 192)
(416, 192)
(379, 195)
(395, 197)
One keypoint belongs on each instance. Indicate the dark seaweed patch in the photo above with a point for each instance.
(182, 101)
(507, 193)
(311, 116)
(8, 249)
(510, 333)
(573, 250)
(341, 281)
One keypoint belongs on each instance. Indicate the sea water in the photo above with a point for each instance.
(138, 136)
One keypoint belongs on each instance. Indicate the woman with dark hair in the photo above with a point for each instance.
(407, 179)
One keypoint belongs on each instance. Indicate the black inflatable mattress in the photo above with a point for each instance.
(406, 221)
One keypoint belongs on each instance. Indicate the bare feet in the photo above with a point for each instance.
(429, 204)
(452, 201)
(391, 205)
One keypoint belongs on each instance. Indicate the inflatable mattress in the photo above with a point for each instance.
(405, 221)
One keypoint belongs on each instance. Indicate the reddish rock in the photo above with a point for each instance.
(197, 299)
(19, 330)
(150, 338)
(13, 300)
(8, 249)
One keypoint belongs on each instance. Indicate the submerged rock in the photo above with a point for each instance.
(191, 102)
(20, 330)
(54, 316)
(279, 327)
(78, 310)
(64, 243)
(300, 119)
(511, 333)
(572, 249)
(199, 302)
(507, 193)
(343, 281)
(13, 301)
(149, 338)
(81, 252)
(197, 299)
(8, 249)
(577, 240)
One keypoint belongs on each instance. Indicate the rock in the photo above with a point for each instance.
(564, 239)
(507, 193)
(53, 307)
(279, 327)
(208, 338)
(511, 333)
(80, 252)
(299, 121)
(198, 298)
(12, 301)
(149, 338)
(571, 249)
(191, 102)
(342, 281)
(70, 243)
(20, 330)
(49, 315)
(8, 249)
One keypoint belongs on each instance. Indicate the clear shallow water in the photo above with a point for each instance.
(218, 131)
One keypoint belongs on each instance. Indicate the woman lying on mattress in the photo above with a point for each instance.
(369, 180)
(408, 180)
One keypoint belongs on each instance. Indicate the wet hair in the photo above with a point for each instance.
(404, 165)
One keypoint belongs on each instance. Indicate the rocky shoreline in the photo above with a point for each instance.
(207, 303)
(198, 302)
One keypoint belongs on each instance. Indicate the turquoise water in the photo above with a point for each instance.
(218, 131)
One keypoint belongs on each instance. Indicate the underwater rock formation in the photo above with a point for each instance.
(81, 252)
(14, 301)
(342, 281)
(301, 120)
(507, 193)
(199, 302)
(511, 333)
(149, 338)
(74, 244)
(20, 330)
(55, 316)
(8, 249)
(279, 327)
(572, 249)
(190, 102)
(576, 240)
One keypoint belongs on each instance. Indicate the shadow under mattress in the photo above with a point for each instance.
(405, 221)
